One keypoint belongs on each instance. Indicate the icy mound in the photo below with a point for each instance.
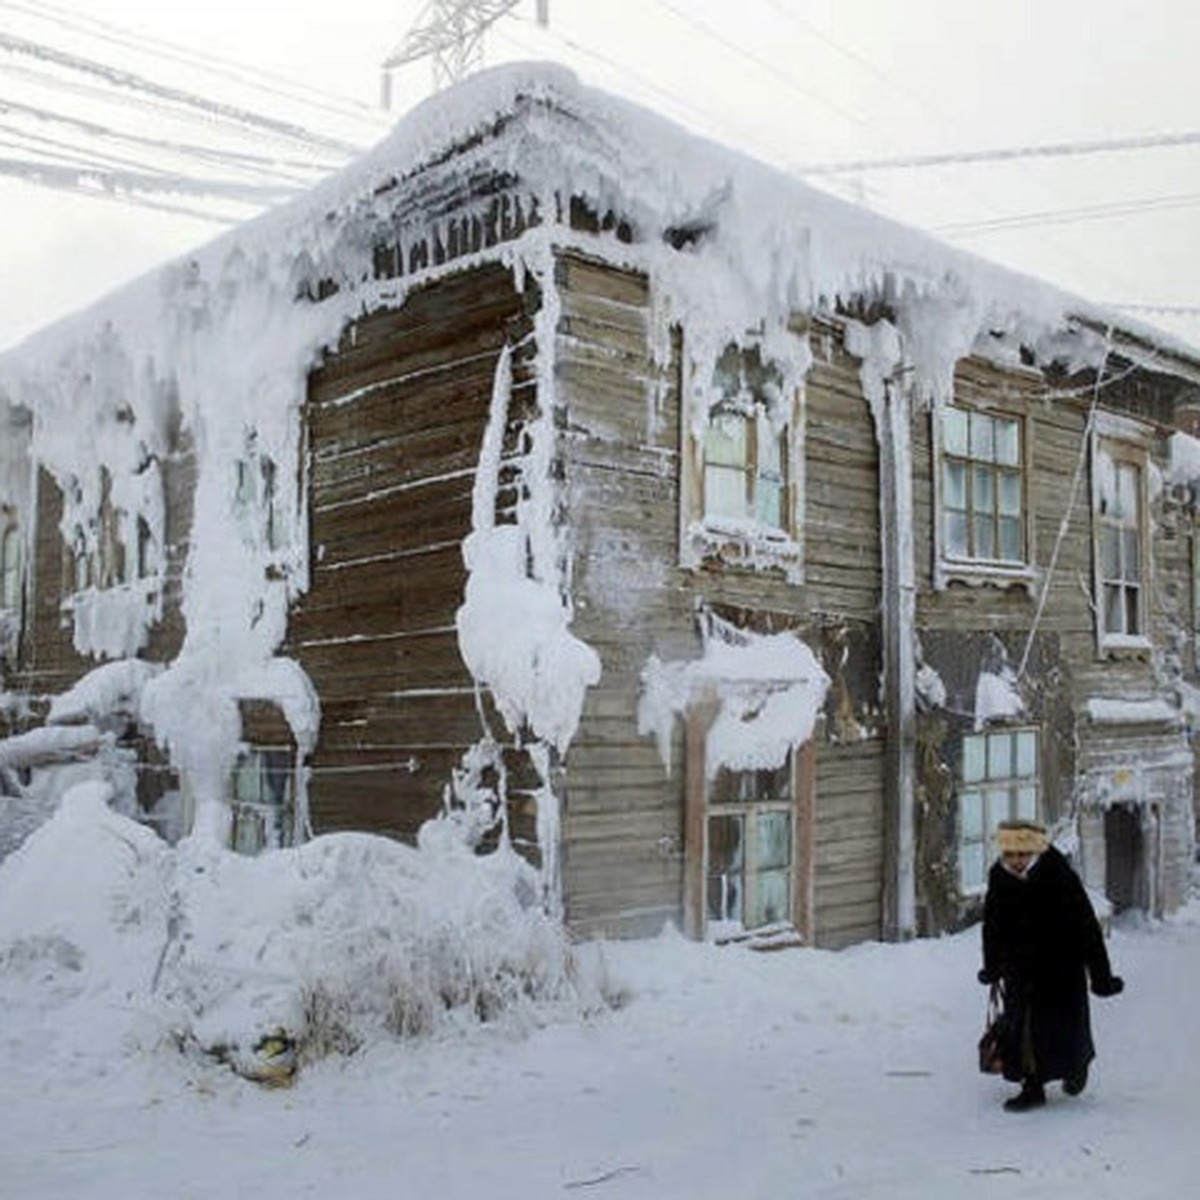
(121, 940)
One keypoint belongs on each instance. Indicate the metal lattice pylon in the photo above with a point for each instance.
(450, 32)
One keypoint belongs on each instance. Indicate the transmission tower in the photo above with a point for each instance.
(451, 33)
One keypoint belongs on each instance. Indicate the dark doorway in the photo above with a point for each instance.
(1125, 858)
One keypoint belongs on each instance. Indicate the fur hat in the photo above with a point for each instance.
(1021, 837)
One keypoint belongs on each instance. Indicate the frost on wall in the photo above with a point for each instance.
(210, 356)
(513, 624)
(767, 689)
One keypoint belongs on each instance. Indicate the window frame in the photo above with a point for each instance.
(710, 539)
(972, 568)
(1124, 443)
(728, 797)
(987, 786)
(12, 565)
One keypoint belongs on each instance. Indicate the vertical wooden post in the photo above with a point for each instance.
(804, 910)
(698, 721)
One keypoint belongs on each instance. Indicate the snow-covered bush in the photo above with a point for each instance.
(329, 945)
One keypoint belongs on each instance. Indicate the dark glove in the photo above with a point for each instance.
(1112, 985)
(987, 977)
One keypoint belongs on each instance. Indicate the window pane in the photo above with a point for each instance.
(954, 431)
(954, 478)
(1011, 549)
(1114, 613)
(1133, 620)
(972, 862)
(769, 502)
(724, 844)
(1008, 443)
(724, 492)
(774, 841)
(247, 780)
(725, 440)
(1027, 803)
(1010, 494)
(1110, 553)
(983, 489)
(1000, 803)
(1131, 544)
(974, 764)
(956, 534)
(1000, 756)
(982, 438)
(725, 898)
(1127, 481)
(985, 537)
(773, 898)
(1026, 753)
(970, 807)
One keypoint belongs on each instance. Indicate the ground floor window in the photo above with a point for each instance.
(262, 800)
(998, 781)
(749, 849)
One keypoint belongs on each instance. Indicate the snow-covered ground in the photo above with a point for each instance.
(659, 1069)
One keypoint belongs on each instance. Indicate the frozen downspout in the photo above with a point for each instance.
(899, 661)
(877, 347)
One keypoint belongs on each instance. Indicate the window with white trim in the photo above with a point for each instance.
(1119, 516)
(743, 481)
(982, 486)
(998, 780)
(749, 834)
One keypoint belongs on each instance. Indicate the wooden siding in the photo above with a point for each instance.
(623, 825)
(394, 423)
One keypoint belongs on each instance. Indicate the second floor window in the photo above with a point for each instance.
(1119, 516)
(983, 486)
(745, 469)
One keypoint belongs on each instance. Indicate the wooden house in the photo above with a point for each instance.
(739, 557)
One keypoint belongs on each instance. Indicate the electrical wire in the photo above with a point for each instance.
(264, 81)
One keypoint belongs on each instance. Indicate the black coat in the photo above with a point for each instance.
(1042, 941)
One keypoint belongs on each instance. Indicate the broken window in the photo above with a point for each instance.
(997, 781)
(983, 486)
(749, 852)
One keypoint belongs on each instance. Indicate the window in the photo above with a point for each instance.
(262, 800)
(1119, 537)
(745, 476)
(998, 781)
(10, 563)
(742, 490)
(749, 836)
(982, 486)
(1119, 528)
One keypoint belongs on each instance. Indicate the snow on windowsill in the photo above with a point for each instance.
(1102, 711)
(976, 573)
(747, 545)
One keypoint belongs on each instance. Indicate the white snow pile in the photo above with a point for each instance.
(348, 938)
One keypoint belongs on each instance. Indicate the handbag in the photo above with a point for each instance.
(991, 1044)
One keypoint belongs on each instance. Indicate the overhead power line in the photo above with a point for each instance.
(1149, 141)
(266, 82)
(131, 81)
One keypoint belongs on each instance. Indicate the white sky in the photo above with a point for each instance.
(796, 82)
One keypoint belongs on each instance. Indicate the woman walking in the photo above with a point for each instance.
(1042, 944)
